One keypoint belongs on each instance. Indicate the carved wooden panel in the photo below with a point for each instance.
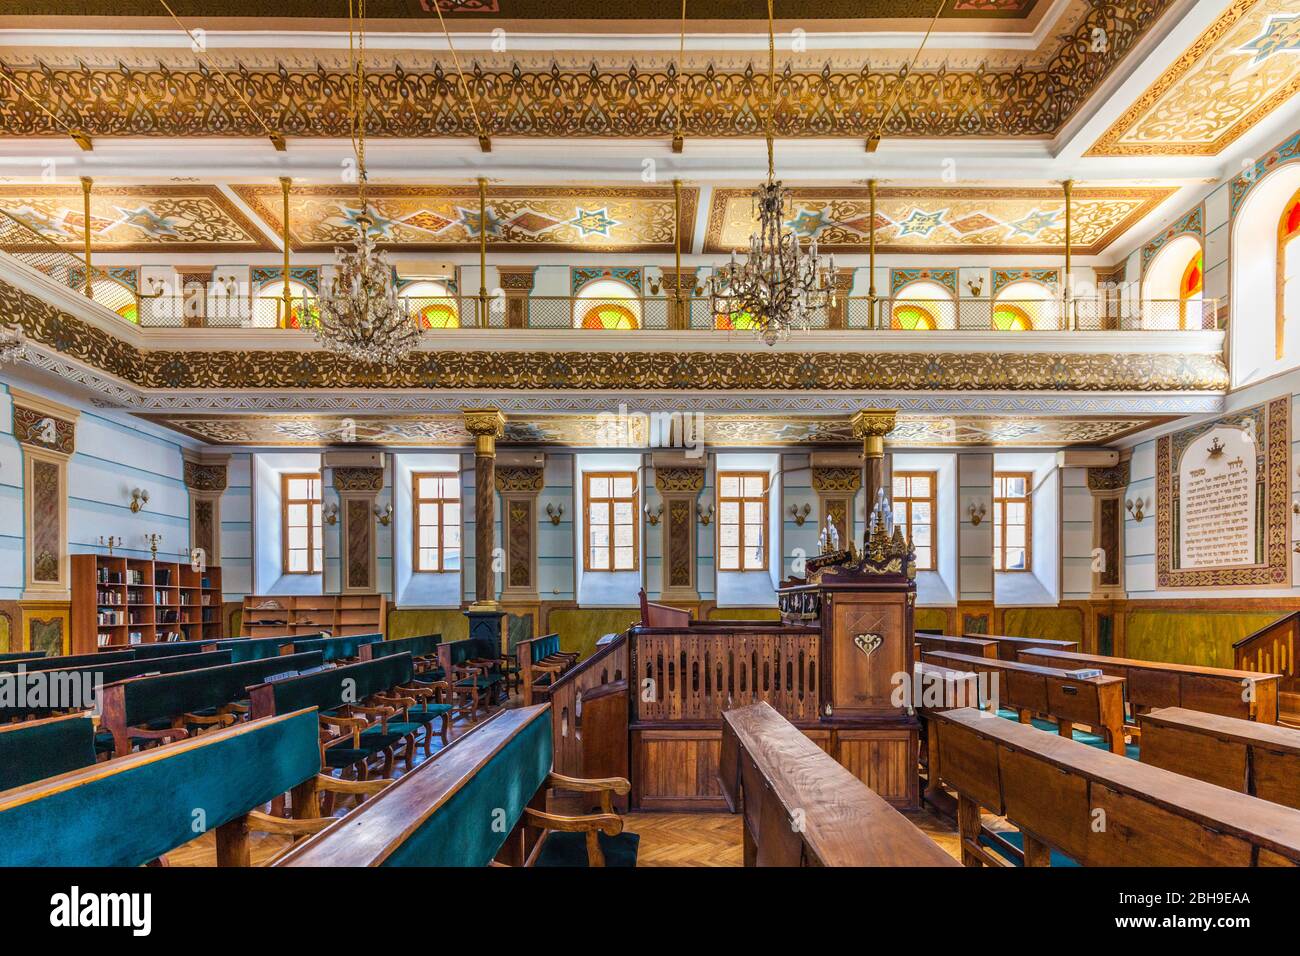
(46, 532)
(357, 551)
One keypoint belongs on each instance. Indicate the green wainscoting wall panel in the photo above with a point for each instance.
(581, 627)
(930, 618)
(450, 622)
(1055, 623)
(744, 614)
(1190, 637)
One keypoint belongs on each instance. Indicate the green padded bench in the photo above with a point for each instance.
(135, 809)
(38, 749)
(367, 709)
(340, 649)
(167, 649)
(474, 670)
(423, 650)
(252, 648)
(174, 706)
(540, 664)
(450, 810)
(14, 656)
(107, 674)
(66, 660)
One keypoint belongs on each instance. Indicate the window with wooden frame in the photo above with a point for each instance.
(742, 520)
(301, 529)
(1012, 520)
(435, 499)
(611, 510)
(1288, 270)
(915, 508)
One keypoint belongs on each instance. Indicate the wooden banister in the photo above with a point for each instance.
(1272, 649)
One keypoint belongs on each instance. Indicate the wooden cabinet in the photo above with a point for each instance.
(296, 615)
(119, 601)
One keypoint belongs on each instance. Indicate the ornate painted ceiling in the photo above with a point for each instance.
(938, 220)
(1239, 70)
(587, 431)
(198, 218)
(610, 219)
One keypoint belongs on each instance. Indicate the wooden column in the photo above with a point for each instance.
(1107, 486)
(358, 487)
(872, 425)
(678, 282)
(486, 425)
(205, 478)
(679, 483)
(519, 487)
(836, 484)
(517, 284)
(46, 434)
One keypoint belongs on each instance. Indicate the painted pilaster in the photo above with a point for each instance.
(519, 487)
(358, 488)
(205, 477)
(679, 484)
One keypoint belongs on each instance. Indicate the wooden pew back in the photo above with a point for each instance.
(780, 775)
(1242, 755)
(1152, 684)
(974, 646)
(251, 648)
(423, 645)
(37, 749)
(65, 661)
(661, 615)
(1009, 647)
(1057, 792)
(455, 810)
(334, 648)
(131, 810)
(330, 688)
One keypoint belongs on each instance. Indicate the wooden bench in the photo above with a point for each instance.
(1033, 689)
(479, 801)
(973, 646)
(661, 615)
(89, 675)
(64, 661)
(14, 656)
(38, 749)
(474, 669)
(173, 706)
(428, 674)
(1096, 808)
(1009, 647)
(250, 648)
(133, 810)
(1152, 684)
(366, 710)
(341, 650)
(774, 773)
(1243, 755)
(936, 687)
(541, 662)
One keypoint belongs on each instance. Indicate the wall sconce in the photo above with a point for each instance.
(976, 512)
(110, 542)
(705, 512)
(139, 498)
(384, 514)
(800, 515)
(330, 513)
(1136, 507)
(555, 512)
(976, 286)
(652, 515)
(153, 540)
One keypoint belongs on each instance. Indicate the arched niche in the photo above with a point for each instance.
(1172, 288)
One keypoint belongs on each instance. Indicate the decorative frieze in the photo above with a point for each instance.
(352, 478)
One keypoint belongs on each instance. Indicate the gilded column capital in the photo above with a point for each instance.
(872, 425)
(486, 425)
(1112, 479)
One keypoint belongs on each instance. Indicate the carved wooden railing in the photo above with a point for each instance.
(698, 674)
(607, 665)
(1272, 649)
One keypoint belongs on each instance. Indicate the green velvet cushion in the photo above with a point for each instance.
(544, 647)
(144, 652)
(570, 849)
(1017, 839)
(252, 649)
(67, 660)
(135, 809)
(336, 648)
(45, 748)
(349, 684)
(425, 645)
(466, 830)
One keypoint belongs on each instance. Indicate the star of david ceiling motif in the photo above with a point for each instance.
(942, 219)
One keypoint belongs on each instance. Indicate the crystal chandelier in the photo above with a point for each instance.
(360, 314)
(13, 344)
(778, 286)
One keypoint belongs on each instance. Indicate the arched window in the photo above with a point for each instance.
(1011, 318)
(607, 304)
(268, 309)
(114, 295)
(736, 321)
(1025, 305)
(1288, 267)
(431, 304)
(923, 306)
(1189, 293)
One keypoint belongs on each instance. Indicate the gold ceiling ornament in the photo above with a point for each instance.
(778, 286)
(873, 140)
(76, 132)
(360, 314)
(987, 102)
(484, 142)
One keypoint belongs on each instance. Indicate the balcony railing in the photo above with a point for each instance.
(1096, 313)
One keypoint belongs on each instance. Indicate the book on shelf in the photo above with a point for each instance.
(135, 637)
(162, 577)
(104, 640)
(134, 576)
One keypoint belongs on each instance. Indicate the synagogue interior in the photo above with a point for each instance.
(504, 433)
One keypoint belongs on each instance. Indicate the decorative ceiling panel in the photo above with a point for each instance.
(446, 218)
(596, 431)
(1243, 67)
(938, 219)
(1033, 97)
(195, 218)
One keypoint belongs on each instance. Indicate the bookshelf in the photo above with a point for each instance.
(119, 601)
(296, 615)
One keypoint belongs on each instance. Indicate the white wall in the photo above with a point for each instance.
(752, 588)
(1042, 583)
(412, 588)
(937, 588)
(268, 571)
(606, 588)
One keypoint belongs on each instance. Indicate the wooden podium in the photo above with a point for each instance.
(863, 602)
